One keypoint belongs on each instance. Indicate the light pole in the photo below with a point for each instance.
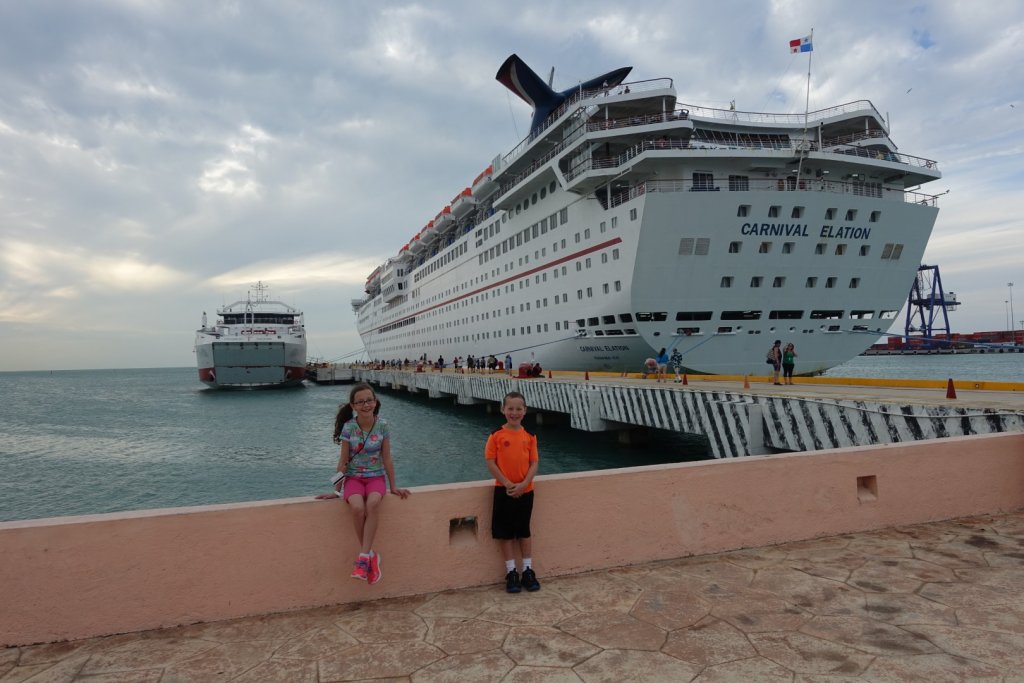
(1006, 308)
(1013, 337)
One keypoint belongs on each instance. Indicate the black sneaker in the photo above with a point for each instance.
(530, 581)
(512, 584)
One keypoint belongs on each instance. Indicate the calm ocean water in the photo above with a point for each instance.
(81, 442)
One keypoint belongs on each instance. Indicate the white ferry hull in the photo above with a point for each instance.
(251, 365)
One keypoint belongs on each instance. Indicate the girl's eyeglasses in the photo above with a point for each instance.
(364, 402)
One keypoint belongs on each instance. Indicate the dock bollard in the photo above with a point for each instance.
(950, 389)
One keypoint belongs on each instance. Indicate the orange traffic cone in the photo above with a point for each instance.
(586, 375)
(950, 390)
(549, 374)
(746, 382)
(684, 379)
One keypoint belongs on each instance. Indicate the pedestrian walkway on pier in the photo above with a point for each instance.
(938, 602)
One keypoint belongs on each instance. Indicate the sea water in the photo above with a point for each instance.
(82, 442)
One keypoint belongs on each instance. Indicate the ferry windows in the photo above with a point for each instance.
(743, 210)
(615, 254)
(592, 322)
(734, 247)
(555, 272)
(787, 247)
(604, 288)
(553, 220)
(554, 248)
(862, 315)
(741, 315)
(588, 262)
(779, 282)
(840, 249)
(565, 298)
(632, 214)
(526, 235)
(811, 283)
(819, 248)
(702, 247)
(851, 215)
(586, 234)
(773, 211)
(865, 249)
(544, 226)
(563, 244)
(535, 229)
(887, 315)
(830, 214)
(798, 212)
(739, 183)
(756, 281)
(543, 192)
(518, 209)
(725, 329)
(604, 226)
(875, 215)
(764, 248)
(827, 315)
(854, 282)
(692, 315)
(519, 239)
(703, 181)
(785, 315)
(579, 294)
(830, 283)
(726, 281)
(563, 216)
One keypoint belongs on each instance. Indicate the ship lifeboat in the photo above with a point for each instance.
(443, 219)
(404, 252)
(463, 203)
(428, 233)
(415, 245)
(484, 184)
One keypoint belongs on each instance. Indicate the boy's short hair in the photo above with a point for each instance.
(512, 394)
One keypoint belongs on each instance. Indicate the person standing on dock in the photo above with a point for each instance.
(788, 362)
(511, 455)
(662, 361)
(775, 360)
(508, 363)
(676, 361)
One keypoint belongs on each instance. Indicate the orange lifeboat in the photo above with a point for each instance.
(463, 203)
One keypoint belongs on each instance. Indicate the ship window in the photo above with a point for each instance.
(773, 211)
(831, 328)
(887, 250)
(811, 282)
(632, 214)
(851, 215)
(614, 332)
(785, 315)
(830, 214)
(864, 249)
(854, 282)
(703, 181)
(615, 222)
(615, 254)
(579, 294)
(764, 248)
(826, 315)
(787, 247)
(608, 319)
(693, 315)
(741, 315)
(580, 322)
(534, 229)
(830, 282)
(579, 266)
(687, 331)
(726, 281)
(604, 226)
(819, 248)
(875, 215)
(630, 330)
(591, 322)
(840, 249)
(598, 333)
(779, 282)
(577, 238)
(543, 226)
(588, 262)
(586, 234)
(798, 212)
(734, 247)
(897, 250)
(725, 329)
(756, 281)
(702, 247)
(743, 210)
(686, 246)
(590, 292)
(887, 315)
(862, 315)
(518, 209)
(533, 199)
(551, 187)
(604, 258)
(543, 192)
(625, 317)
(739, 183)
(563, 216)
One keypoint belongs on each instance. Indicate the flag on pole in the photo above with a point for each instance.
(801, 44)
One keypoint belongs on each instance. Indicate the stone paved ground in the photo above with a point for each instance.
(935, 602)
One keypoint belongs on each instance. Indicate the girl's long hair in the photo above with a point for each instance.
(345, 410)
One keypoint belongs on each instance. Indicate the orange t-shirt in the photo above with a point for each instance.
(513, 450)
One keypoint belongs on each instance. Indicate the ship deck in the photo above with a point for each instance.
(937, 601)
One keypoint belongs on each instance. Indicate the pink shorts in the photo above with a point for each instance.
(364, 486)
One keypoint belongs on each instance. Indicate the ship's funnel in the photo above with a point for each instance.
(515, 75)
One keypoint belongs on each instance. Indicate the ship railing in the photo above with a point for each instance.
(788, 119)
(773, 185)
(639, 120)
(578, 96)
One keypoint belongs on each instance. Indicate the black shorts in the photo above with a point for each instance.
(511, 516)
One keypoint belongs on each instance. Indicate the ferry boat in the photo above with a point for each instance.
(255, 343)
(627, 221)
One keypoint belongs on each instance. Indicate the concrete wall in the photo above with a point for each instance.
(73, 577)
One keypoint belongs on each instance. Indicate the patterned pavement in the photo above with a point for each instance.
(933, 602)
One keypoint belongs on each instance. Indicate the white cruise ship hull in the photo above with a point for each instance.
(612, 232)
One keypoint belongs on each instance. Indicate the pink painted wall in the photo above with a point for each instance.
(74, 577)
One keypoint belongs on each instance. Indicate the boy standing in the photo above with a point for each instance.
(511, 455)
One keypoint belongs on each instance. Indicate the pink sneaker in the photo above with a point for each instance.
(373, 576)
(362, 569)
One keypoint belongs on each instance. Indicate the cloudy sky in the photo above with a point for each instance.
(157, 158)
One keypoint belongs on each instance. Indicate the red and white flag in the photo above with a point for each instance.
(801, 44)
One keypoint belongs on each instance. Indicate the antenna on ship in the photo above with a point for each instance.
(805, 45)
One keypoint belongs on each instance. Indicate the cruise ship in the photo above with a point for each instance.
(255, 343)
(627, 222)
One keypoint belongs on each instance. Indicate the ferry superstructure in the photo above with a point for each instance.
(256, 343)
(627, 221)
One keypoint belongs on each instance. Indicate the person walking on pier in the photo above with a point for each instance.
(365, 440)
(511, 455)
(788, 362)
(775, 360)
(662, 361)
(676, 361)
